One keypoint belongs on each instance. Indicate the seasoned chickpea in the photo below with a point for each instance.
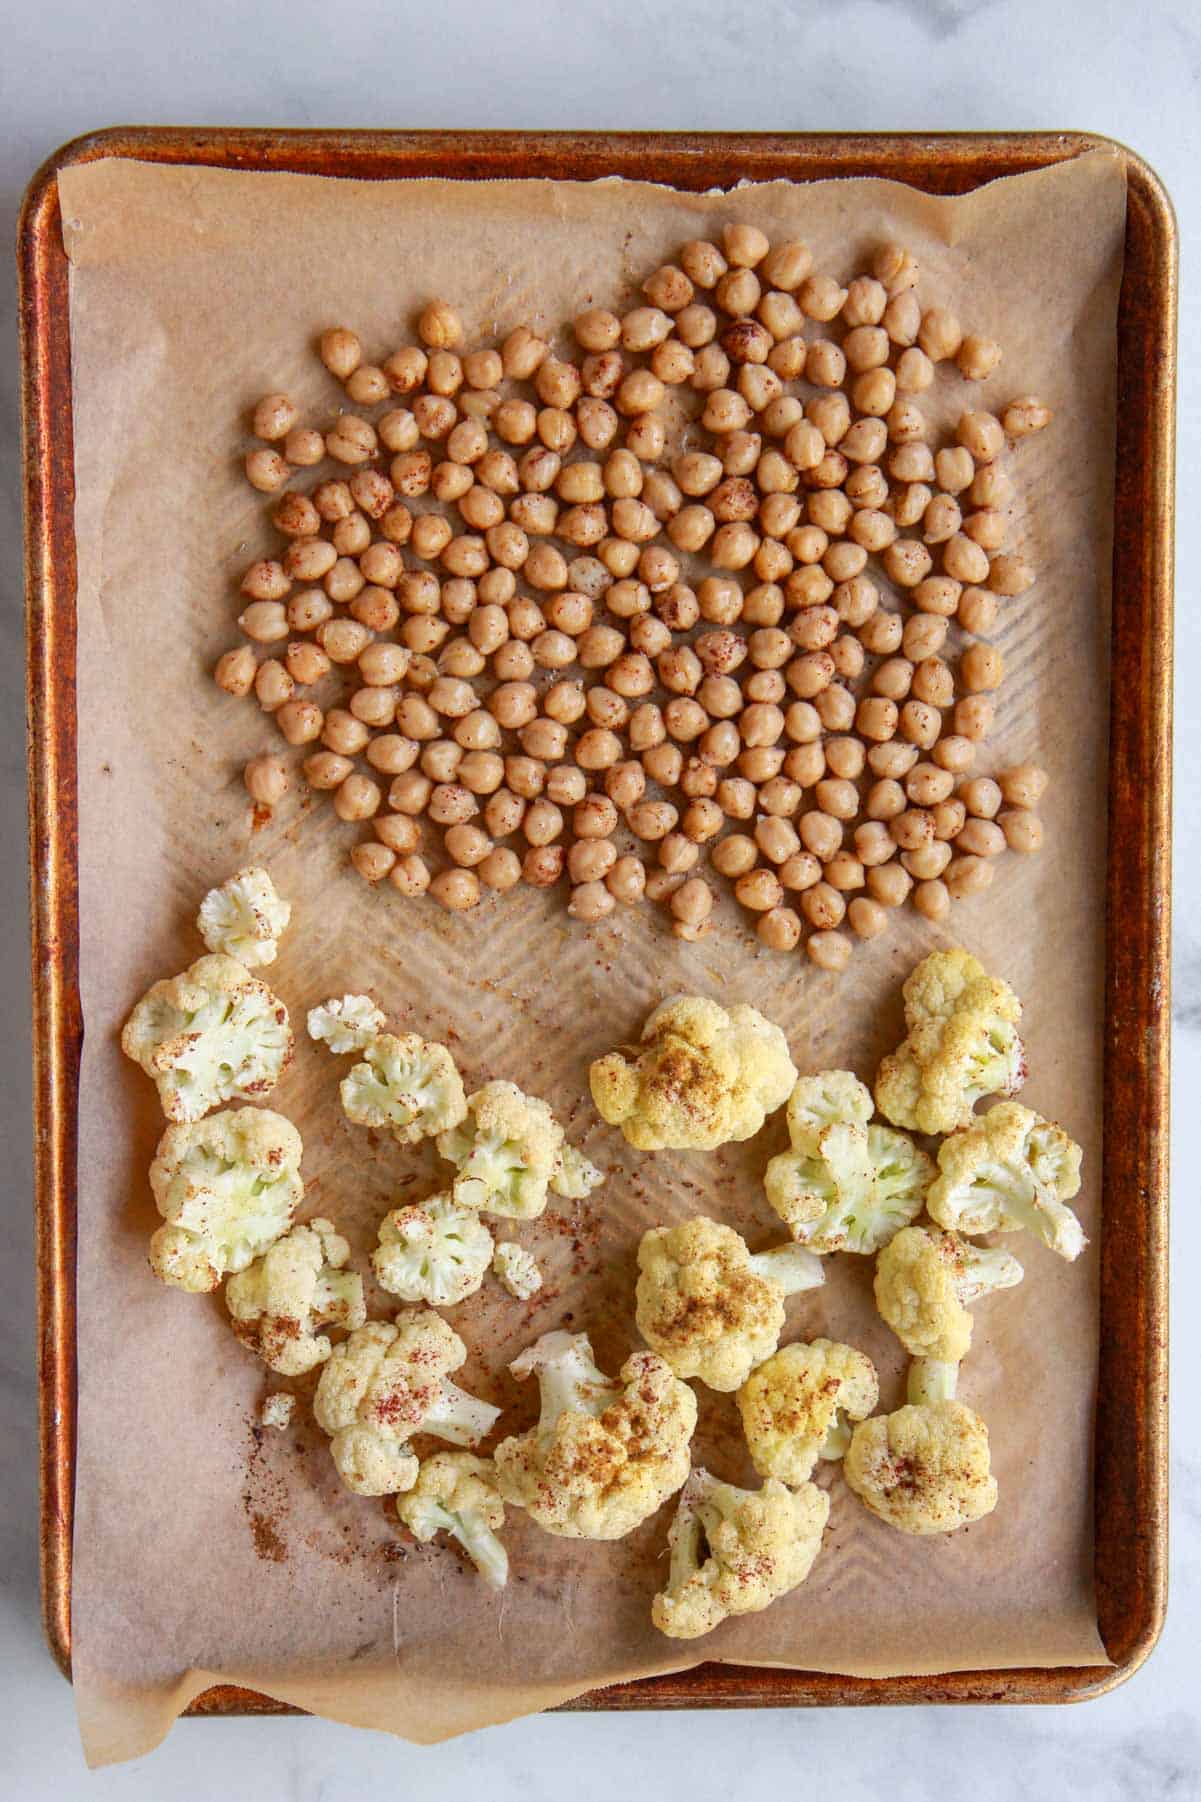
(761, 724)
(885, 799)
(932, 899)
(500, 869)
(821, 834)
(598, 749)
(736, 797)
(440, 759)
(838, 798)
(299, 721)
(914, 371)
(467, 845)
(488, 629)
(933, 682)
(1010, 575)
(590, 902)
(543, 865)
(983, 435)
(823, 906)
(889, 884)
(907, 562)
(357, 798)
(965, 561)
(372, 861)
(980, 838)
(974, 716)
(981, 668)
(325, 769)
(409, 876)
(893, 760)
(267, 471)
(677, 854)
(566, 785)
(1025, 415)
(1023, 830)
(266, 622)
(1023, 786)
(351, 440)
(759, 890)
(874, 843)
(902, 319)
(927, 862)
(652, 820)
(876, 718)
(907, 506)
(954, 754)
(456, 890)
(968, 876)
(948, 818)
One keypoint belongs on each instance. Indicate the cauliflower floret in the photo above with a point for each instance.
(456, 1493)
(244, 918)
(700, 1077)
(736, 1551)
(280, 1300)
(515, 1268)
(962, 1044)
(384, 1384)
(349, 1023)
(924, 1281)
(214, 1033)
(434, 1251)
(601, 1458)
(798, 1406)
(508, 1150)
(924, 1469)
(406, 1085)
(1010, 1170)
(575, 1176)
(708, 1307)
(277, 1410)
(227, 1187)
(828, 1098)
(845, 1185)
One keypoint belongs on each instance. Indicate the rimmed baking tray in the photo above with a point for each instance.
(1131, 1428)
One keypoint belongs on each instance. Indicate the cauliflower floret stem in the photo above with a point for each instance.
(790, 1267)
(427, 1517)
(985, 1268)
(460, 1418)
(932, 1380)
(837, 1438)
(567, 1378)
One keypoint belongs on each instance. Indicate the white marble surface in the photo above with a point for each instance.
(1132, 72)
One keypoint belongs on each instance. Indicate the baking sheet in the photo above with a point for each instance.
(192, 292)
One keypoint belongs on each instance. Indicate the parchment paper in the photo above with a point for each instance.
(201, 1554)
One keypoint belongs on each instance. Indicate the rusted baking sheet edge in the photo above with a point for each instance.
(1131, 1435)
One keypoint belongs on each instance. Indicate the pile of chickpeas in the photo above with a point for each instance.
(707, 583)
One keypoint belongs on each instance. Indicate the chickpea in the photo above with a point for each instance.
(513, 704)
(357, 798)
(566, 785)
(351, 440)
(968, 876)
(823, 906)
(1023, 786)
(974, 716)
(954, 754)
(1010, 575)
(928, 862)
(500, 869)
(266, 470)
(598, 749)
(626, 880)
(1025, 415)
(736, 797)
(692, 903)
(983, 435)
(907, 562)
(410, 876)
(456, 890)
(914, 371)
(932, 899)
(889, 884)
(948, 818)
(543, 865)
(907, 506)
(902, 319)
(981, 668)
(299, 721)
(467, 845)
(980, 838)
(372, 861)
(1023, 831)
(885, 799)
(590, 902)
(677, 854)
(893, 760)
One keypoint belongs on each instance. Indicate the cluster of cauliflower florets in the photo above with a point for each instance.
(606, 1453)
